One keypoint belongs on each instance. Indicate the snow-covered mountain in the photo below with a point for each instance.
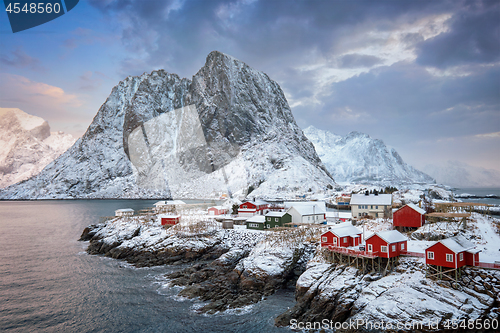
(357, 158)
(27, 145)
(228, 129)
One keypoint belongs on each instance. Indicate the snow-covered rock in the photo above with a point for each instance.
(357, 158)
(27, 145)
(229, 129)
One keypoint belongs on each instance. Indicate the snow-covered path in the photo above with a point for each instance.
(490, 240)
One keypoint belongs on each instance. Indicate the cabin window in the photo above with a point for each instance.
(275, 219)
(430, 255)
(269, 219)
(370, 247)
(253, 225)
(383, 248)
(371, 207)
(402, 246)
(359, 214)
(461, 256)
(449, 257)
(376, 207)
(244, 206)
(309, 218)
(324, 239)
(268, 226)
(393, 248)
(345, 239)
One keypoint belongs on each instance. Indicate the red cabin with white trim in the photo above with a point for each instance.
(453, 252)
(388, 244)
(251, 208)
(217, 210)
(344, 236)
(409, 215)
(169, 219)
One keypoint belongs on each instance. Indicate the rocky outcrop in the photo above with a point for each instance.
(158, 136)
(342, 294)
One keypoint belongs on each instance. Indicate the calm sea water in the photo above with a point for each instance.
(49, 284)
(481, 192)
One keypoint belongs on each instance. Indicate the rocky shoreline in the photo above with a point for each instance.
(235, 268)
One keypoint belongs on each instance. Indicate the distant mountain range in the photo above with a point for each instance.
(357, 158)
(27, 145)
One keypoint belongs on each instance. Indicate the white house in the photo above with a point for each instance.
(374, 205)
(167, 204)
(124, 212)
(310, 213)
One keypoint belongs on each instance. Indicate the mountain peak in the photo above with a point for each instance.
(358, 158)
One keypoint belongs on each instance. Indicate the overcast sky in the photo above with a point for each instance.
(423, 76)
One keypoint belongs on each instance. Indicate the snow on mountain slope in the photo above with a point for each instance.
(227, 130)
(27, 145)
(357, 158)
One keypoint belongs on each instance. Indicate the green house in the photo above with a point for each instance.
(256, 222)
(277, 219)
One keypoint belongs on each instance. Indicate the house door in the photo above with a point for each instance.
(334, 241)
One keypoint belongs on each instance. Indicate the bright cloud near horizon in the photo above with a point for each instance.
(423, 76)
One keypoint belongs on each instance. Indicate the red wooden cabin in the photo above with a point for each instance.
(168, 219)
(344, 236)
(251, 208)
(388, 244)
(409, 215)
(217, 210)
(453, 252)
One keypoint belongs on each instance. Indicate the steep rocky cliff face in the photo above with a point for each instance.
(27, 145)
(358, 158)
(227, 130)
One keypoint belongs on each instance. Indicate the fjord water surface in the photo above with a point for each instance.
(49, 284)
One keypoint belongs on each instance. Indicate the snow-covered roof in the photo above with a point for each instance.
(289, 204)
(372, 199)
(344, 230)
(256, 202)
(257, 219)
(415, 208)
(169, 202)
(276, 214)
(390, 236)
(457, 243)
(309, 209)
(340, 215)
(217, 207)
(124, 210)
(168, 216)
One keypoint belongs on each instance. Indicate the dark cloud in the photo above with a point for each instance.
(19, 59)
(473, 37)
(358, 60)
(405, 100)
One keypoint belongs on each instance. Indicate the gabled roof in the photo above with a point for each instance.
(372, 199)
(257, 219)
(217, 207)
(123, 210)
(309, 209)
(345, 231)
(289, 204)
(169, 202)
(390, 236)
(257, 202)
(168, 216)
(276, 214)
(457, 244)
(421, 211)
